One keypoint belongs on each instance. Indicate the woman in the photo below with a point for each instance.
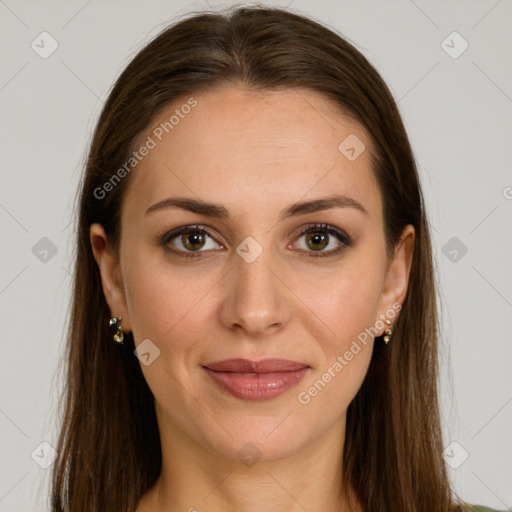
(254, 322)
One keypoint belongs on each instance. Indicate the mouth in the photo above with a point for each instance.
(256, 380)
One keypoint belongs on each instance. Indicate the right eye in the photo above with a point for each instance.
(187, 240)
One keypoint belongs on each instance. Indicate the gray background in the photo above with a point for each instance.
(458, 115)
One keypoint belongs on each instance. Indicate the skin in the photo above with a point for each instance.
(256, 154)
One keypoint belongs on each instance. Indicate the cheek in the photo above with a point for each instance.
(357, 299)
(349, 310)
(347, 300)
(166, 305)
(166, 302)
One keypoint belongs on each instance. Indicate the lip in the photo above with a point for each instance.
(256, 380)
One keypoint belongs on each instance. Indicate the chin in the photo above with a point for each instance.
(260, 438)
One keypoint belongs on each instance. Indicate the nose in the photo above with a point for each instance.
(257, 300)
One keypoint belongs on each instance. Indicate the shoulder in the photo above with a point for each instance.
(481, 508)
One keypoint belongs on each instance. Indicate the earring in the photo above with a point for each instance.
(116, 328)
(388, 332)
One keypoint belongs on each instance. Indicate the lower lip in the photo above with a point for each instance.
(256, 386)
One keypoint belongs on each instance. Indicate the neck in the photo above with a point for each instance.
(195, 478)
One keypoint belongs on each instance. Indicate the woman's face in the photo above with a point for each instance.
(253, 172)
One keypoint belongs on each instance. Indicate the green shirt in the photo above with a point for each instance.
(481, 508)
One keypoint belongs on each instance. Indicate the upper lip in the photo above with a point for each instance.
(263, 366)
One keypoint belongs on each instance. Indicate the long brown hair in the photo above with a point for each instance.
(109, 450)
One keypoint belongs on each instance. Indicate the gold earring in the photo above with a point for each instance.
(388, 332)
(116, 327)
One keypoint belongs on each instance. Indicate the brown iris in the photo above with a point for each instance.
(193, 240)
(318, 239)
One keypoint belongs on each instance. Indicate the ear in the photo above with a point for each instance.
(111, 278)
(397, 274)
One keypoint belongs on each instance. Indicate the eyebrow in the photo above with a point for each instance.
(219, 211)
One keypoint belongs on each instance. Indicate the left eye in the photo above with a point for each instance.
(321, 238)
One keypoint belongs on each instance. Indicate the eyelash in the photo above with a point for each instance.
(345, 240)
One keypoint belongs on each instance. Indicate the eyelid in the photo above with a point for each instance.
(188, 228)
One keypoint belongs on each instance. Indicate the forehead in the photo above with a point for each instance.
(234, 144)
